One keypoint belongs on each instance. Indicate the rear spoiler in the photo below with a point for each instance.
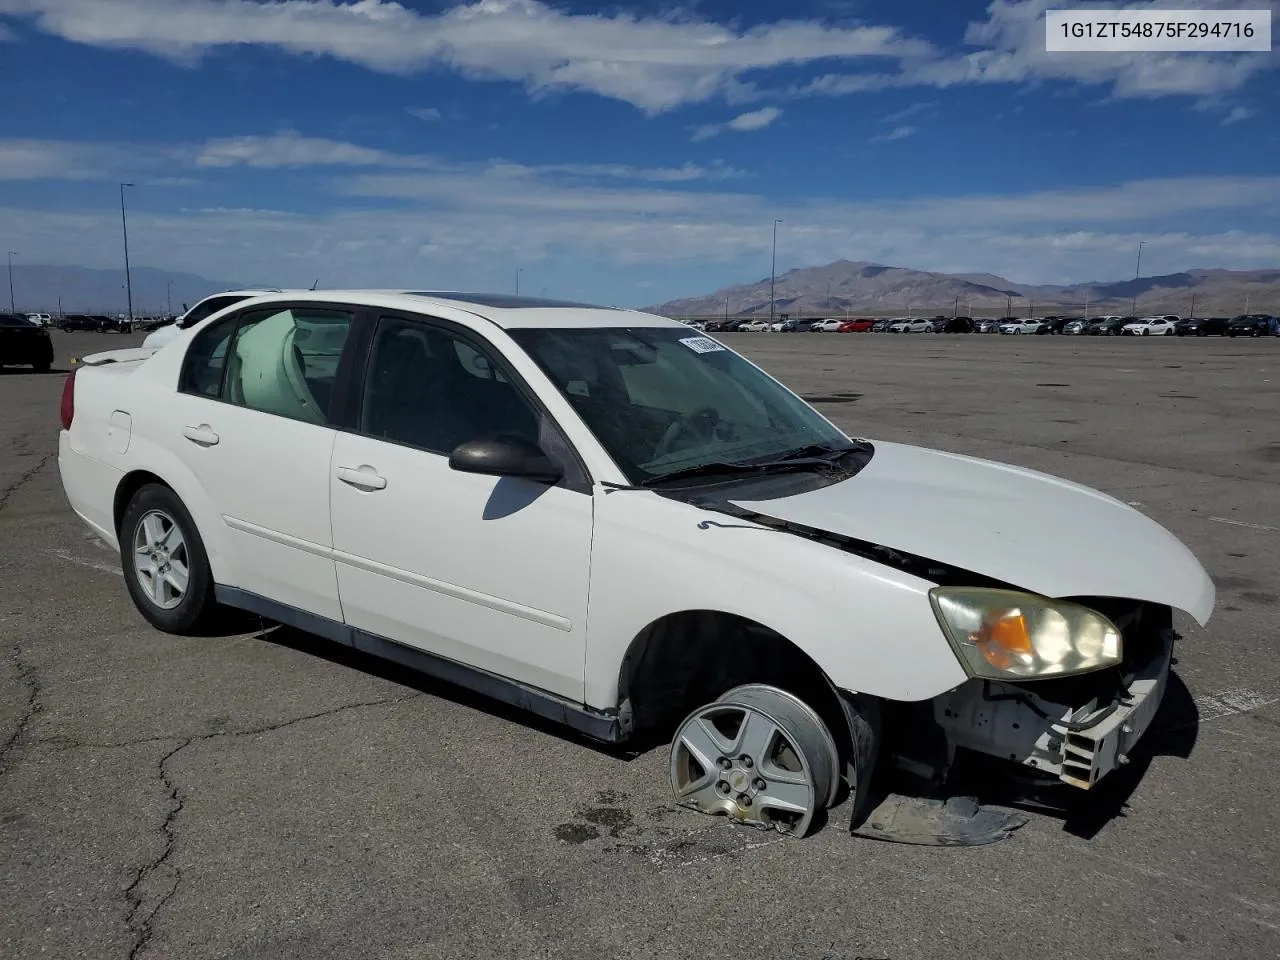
(127, 355)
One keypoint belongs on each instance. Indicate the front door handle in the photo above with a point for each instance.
(202, 435)
(362, 477)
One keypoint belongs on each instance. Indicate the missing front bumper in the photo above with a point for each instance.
(1077, 745)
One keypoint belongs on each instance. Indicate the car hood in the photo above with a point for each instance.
(1028, 529)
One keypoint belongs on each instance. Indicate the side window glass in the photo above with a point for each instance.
(430, 389)
(206, 357)
(285, 362)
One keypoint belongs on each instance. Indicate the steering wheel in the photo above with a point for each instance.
(699, 425)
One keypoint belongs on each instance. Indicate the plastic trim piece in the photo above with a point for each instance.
(602, 726)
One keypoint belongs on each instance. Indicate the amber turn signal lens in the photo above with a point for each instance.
(1005, 640)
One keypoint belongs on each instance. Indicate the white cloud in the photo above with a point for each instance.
(292, 150)
(1236, 115)
(744, 122)
(456, 225)
(897, 133)
(911, 111)
(425, 113)
(655, 63)
(73, 160)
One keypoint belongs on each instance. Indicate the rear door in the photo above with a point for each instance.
(251, 420)
(491, 572)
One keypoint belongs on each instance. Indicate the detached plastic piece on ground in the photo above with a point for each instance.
(955, 822)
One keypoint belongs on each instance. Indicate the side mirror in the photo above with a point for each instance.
(505, 457)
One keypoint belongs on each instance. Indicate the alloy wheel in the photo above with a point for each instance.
(160, 559)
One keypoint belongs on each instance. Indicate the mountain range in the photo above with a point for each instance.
(848, 287)
(839, 288)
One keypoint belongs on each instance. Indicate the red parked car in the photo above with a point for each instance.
(856, 326)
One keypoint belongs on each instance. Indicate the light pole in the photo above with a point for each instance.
(519, 270)
(773, 273)
(1133, 305)
(12, 254)
(128, 279)
(168, 298)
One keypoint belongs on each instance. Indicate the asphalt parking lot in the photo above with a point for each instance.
(267, 795)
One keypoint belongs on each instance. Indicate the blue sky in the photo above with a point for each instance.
(626, 153)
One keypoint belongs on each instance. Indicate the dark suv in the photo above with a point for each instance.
(1252, 325)
(1203, 327)
(1107, 326)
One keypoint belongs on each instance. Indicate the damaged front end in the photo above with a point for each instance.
(1074, 729)
(1067, 731)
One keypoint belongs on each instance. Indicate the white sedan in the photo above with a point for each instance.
(613, 521)
(1152, 327)
(754, 326)
(912, 326)
(1025, 325)
(826, 326)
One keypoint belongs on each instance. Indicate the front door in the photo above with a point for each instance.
(491, 572)
(250, 421)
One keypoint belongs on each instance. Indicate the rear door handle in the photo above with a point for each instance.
(364, 477)
(201, 435)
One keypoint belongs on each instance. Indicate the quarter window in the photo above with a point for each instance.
(277, 361)
(431, 389)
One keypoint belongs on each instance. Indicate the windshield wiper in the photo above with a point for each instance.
(725, 467)
(820, 451)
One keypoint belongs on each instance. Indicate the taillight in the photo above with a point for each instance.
(68, 408)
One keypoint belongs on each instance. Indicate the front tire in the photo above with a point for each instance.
(759, 755)
(165, 565)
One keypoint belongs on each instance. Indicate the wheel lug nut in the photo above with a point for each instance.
(744, 800)
(747, 762)
(722, 787)
(725, 763)
(760, 784)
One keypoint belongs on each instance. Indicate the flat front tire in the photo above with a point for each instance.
(165, 565)
(758, 755)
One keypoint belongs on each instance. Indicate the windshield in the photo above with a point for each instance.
(661, 400)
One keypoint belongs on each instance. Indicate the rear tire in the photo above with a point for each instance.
(165, 565)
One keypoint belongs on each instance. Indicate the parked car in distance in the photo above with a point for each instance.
(753, 326)
(1054, 325)
(988, 326)
(917, 325)
(861, 325)
(954, 325)
(1106, 326)
(1151, 327)
(796, 325)
(40, 319)
(828, 325)
(390, 472)
(23, 343)
(1250, 325)
(882, 326)
(1203, 327)
(1023, 325)
(79, 321)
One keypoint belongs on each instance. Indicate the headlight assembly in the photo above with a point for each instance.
(1008, 635)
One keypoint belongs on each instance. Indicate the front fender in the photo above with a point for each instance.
(870, 628)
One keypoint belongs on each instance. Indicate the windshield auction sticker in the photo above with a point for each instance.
(702, 344)
(1157, 31)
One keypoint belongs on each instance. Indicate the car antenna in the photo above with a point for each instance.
(316, 284)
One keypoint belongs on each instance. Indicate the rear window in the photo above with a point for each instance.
(9, 320)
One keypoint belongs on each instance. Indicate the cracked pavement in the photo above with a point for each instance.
(264, 794)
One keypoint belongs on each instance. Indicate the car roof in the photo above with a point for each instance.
(505, 311)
